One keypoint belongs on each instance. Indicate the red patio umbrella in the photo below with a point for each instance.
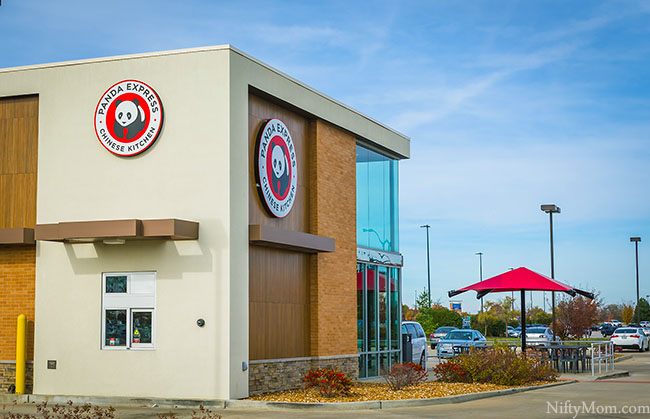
(520, 279)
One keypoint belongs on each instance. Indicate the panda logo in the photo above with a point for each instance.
(280, 177)
(276, 168)
(129, 118)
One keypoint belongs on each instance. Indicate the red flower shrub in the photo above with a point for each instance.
(405, 375)
(451, 372)
(329, 382)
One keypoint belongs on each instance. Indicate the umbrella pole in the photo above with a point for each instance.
(523, 322)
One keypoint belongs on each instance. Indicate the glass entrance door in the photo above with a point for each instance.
(378, 318)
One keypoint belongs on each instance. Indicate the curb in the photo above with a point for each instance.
(261, 405)
(623, 358)
(613, 375)
(112, 401)
(387, 404)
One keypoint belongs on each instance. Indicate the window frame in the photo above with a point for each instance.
(131, 302)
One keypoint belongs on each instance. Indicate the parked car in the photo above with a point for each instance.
(615, 323)
(645, 323)
(440, 333)
(539, 336)
(450, 345)
(630, 338)
(418, 340)
(513, 332)
(606, 329)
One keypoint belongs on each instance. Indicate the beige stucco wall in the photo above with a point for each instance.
(196, 170)
(185, 174)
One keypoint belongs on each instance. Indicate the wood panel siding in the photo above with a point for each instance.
(279, 303)
(18, 161)
(279, 279)
(18, 166)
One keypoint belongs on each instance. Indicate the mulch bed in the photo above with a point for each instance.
(380, 391)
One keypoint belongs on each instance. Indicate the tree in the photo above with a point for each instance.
(575, 315)
(611, 312)
(642, 311)
(433, 317)
(538, 316)
(628, 313)
(409, 313)
(496, 316)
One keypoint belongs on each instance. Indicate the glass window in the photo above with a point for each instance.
(377, 200)
(395, 310)
(360, 308)
(371, 301)
(383, 309)
(128, 305)
(411, 330)
(141, 326)
(115, 328)
(419, 331)
(116, 284)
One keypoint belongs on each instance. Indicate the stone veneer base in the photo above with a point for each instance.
(269, 375)
(8, 376)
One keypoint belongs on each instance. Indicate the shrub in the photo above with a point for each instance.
(405, 375)
(66, 411)
(451, 372)
(329, 382)
(496, 365)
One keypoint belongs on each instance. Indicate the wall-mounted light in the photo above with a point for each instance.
(114, 241)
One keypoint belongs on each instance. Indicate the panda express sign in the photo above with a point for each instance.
(128, 118)
(276, 170)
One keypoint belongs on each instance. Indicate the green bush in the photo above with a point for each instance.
(495, 365)
(433, 318)
(489, 324)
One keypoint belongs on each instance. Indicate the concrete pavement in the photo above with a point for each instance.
(585, 398)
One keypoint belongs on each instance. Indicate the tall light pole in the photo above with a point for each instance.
(480, 258)
(550, 209)
(427, 226)
(636, 241)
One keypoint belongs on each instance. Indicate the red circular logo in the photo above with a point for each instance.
(276, 168)
(128, 118)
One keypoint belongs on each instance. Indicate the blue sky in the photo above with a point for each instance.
(508, 104)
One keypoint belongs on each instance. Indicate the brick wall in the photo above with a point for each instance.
(333, 297)
(17, 273)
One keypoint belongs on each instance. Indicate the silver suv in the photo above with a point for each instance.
(418, 340)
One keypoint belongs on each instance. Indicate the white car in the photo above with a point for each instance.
(630, 338)
(539, 336)
(419, 342)
(458, 341)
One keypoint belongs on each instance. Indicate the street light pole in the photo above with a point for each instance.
(636, 241)
(427, 226)
(480, 258)
(550, 209)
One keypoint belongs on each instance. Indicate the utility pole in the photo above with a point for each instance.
(480, 258)
(636, 241)
(427, 226)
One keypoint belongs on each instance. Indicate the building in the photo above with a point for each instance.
(187, 224)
